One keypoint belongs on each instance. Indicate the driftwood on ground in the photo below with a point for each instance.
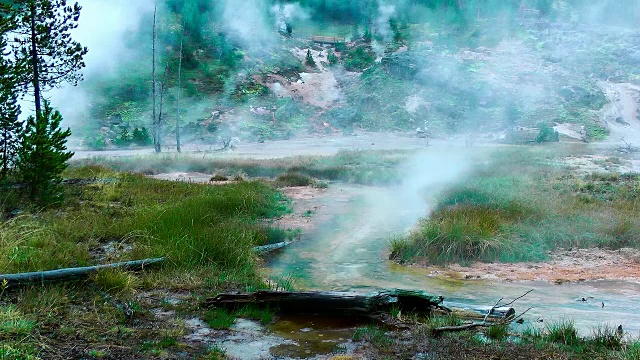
(481, 312)
(271, 247)
(489, 317)
(74, 273)
(317, 302)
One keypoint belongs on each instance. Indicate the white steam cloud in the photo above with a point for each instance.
(246, 22)
(383, 28)
(103, 28)
(285, 14)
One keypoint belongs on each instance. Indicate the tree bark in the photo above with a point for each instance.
(317, 302)
(35, 61)
(160, 117)
(74, 273)
(178, 148)
(154, 122)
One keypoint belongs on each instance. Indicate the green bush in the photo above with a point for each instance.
(124, 139)
(547, 134)
(141, 137)
(289, 179)
(359, 59)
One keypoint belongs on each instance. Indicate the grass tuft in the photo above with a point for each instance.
(561, 332)
(116, 281)
(13, 323)
(497, 332)
(290, 179)
(219, 319)
(372, 334)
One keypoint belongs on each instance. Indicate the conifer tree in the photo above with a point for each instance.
(309, 59)
(43, 154)
(10, 127)
(45, 45)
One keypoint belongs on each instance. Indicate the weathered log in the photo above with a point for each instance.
(480, 312)
(271, 247)
(318, 302)
(74, 273)
(457, 328)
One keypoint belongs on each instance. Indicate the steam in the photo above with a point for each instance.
(246, 22)
(288, 13)
(383, 28)
(104, 28)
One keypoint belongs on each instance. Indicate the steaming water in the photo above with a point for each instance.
(349, 252)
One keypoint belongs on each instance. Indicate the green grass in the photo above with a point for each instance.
(521, 205)
(289, 179)
(223, 319)
(361, 167)
(372, 334)
(116, 281)
(562, 332)
(497, 332)
(191, 224)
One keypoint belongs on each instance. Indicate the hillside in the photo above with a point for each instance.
(500, 73)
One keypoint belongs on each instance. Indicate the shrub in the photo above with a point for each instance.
(141, 137)
(123, 139)
(547, 134)
(289, 179)
(332, 58)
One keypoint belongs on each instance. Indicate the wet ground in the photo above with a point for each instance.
(344, 247)
(348, 252)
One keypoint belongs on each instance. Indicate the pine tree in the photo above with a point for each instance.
(44, 44)
(10, 127)
(43, 155)
(309, 59)
(332, 58)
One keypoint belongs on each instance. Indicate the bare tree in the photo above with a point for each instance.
(154, 121)
(179, 84)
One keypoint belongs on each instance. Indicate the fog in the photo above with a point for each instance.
(463, 83)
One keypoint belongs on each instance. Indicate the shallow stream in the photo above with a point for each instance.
(349, 252)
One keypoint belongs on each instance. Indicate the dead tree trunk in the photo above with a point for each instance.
(74, 273)
(318, 302)
(154, 122)
(159, 125)
(178, 148)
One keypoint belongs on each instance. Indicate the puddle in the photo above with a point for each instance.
(314, 336)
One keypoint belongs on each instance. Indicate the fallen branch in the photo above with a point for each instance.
(317, 302)
(74, 273)
(480, 312)
(504, 319)
(457, 328)
(271, 247)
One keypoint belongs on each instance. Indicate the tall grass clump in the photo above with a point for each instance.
(520, 206)
(466, 225)
(562, 332)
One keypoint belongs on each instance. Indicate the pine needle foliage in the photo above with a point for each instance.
(43, 154)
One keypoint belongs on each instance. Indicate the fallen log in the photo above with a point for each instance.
(481, 312)
(74, 273)
(319, 302)
(271, 247)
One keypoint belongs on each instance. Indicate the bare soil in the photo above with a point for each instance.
(564, 266)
